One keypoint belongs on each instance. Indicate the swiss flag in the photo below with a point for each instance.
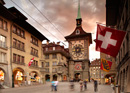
(109, 40)
(29, 64)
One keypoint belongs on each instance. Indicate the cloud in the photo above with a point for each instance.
(63, 13)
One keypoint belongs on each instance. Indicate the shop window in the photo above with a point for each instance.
(19, 76)
(1, 75)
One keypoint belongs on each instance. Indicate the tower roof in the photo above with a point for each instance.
(79, 14)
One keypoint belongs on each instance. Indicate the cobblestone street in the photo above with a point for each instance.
(63, 87)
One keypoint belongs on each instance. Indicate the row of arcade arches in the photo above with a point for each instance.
(54, 77)
(19, 76)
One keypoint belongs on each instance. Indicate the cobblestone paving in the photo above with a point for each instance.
(63, 87)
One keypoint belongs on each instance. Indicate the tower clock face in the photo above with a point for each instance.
(77, 50)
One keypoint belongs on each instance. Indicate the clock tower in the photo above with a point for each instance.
(79, 42)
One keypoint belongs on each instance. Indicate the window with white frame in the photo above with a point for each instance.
(2, 41)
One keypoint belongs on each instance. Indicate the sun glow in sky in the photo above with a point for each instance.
(62, 14)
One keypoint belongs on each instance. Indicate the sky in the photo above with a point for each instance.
(57, 18)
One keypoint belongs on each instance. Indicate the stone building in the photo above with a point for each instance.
(20, 42)
(55, 62)
(108, 77)
(79, 42)
(117, 16)
(5, 24)
(95, 72)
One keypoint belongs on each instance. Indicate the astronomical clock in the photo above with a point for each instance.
(77, 51)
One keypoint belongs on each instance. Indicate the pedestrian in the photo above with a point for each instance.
(85, 84)
(112, 85)
(72, 83)
(55, 85)
(95, 85)
(81, 84)
(52, 85)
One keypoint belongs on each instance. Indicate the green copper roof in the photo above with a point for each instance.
(78, 15)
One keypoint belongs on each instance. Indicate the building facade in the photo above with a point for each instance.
(117, 16)
(20, 42)
(5, 24)
(79, 42)
(95, 72)
(108, 77)
(55, 62)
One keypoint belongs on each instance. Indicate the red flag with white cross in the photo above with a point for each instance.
(109, 40)
(29, 64)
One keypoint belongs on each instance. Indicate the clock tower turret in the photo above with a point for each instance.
(79, 42)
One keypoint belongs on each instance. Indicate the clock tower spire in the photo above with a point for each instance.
(79, 19)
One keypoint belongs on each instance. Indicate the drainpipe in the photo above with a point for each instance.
(11, 55)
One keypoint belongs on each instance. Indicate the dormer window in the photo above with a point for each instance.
(77, 32)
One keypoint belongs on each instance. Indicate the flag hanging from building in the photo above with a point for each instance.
(109, 40)
(31, 61)
(105, 65)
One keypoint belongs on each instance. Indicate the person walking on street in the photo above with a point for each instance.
(72, 84)
(52, 85)
(81, 85)
(85, 84)
(95, 85)
(55, 85)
